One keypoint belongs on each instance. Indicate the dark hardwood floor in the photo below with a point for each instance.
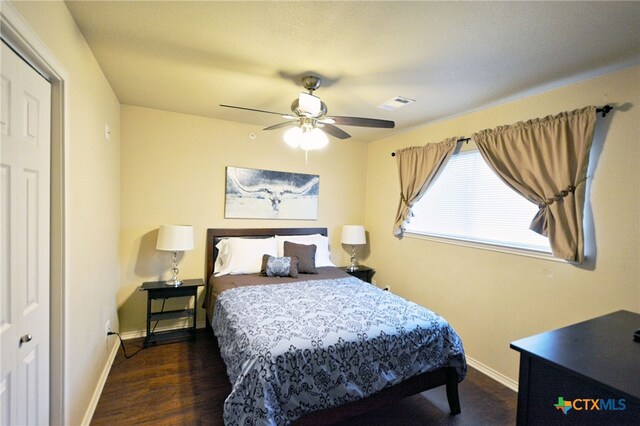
(185, 383)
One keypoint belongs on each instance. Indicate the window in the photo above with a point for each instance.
(469, 202)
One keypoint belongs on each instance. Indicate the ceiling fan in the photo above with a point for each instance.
(310, 113)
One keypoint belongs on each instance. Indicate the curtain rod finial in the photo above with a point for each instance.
(604, 110)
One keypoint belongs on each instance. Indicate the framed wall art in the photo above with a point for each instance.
(267, 194)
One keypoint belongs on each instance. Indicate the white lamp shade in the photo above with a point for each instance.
(353, 234)
(175, 238)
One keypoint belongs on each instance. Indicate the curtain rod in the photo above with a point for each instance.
(604, 110)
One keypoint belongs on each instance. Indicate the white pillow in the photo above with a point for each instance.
(244, 255)
(323, 255)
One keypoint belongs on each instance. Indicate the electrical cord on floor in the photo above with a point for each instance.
(126, 356)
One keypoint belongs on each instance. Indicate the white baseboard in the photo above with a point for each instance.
(134, 334)
(88, 415)
(488, 371)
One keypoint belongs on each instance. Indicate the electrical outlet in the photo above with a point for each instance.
(107, 327)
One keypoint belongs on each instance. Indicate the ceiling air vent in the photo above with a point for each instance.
(395, 103)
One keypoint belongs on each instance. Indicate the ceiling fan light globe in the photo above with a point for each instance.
(320, 138)
(315, 139)
(293, 136)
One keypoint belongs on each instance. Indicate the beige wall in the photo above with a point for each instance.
(173, 171)
(494, 298)
(169, 168)
(93, 203)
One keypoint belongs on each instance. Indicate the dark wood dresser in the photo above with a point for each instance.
(584, 374)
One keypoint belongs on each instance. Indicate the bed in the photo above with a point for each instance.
(320, 348)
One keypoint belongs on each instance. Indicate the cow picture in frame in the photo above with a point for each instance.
(267, 194)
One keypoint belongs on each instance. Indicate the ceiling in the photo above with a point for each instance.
(451, 57)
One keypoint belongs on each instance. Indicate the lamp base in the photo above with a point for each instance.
(354, 266)
(174, 281)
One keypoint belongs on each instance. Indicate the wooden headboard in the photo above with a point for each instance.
(214, 234)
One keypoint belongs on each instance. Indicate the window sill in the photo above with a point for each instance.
(486, 246)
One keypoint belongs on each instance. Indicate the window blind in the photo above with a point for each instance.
(469, 202)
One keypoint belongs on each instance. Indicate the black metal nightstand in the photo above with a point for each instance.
(159, 290)
(363, 272)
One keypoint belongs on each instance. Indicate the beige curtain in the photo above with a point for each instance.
(418, 167)
(545, 160)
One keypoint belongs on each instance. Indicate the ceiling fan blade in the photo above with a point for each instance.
(364, 122)
(256, 110)
(334, 131)
(279, 125)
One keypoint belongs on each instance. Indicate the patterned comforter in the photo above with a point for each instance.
(295, 348)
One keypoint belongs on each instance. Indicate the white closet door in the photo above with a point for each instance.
(25, 131)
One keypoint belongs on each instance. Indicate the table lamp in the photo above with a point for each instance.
(354, 235)
(175, 238)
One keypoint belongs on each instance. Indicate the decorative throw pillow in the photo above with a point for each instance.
(306, 255)
(323, 255)
(279, 266)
